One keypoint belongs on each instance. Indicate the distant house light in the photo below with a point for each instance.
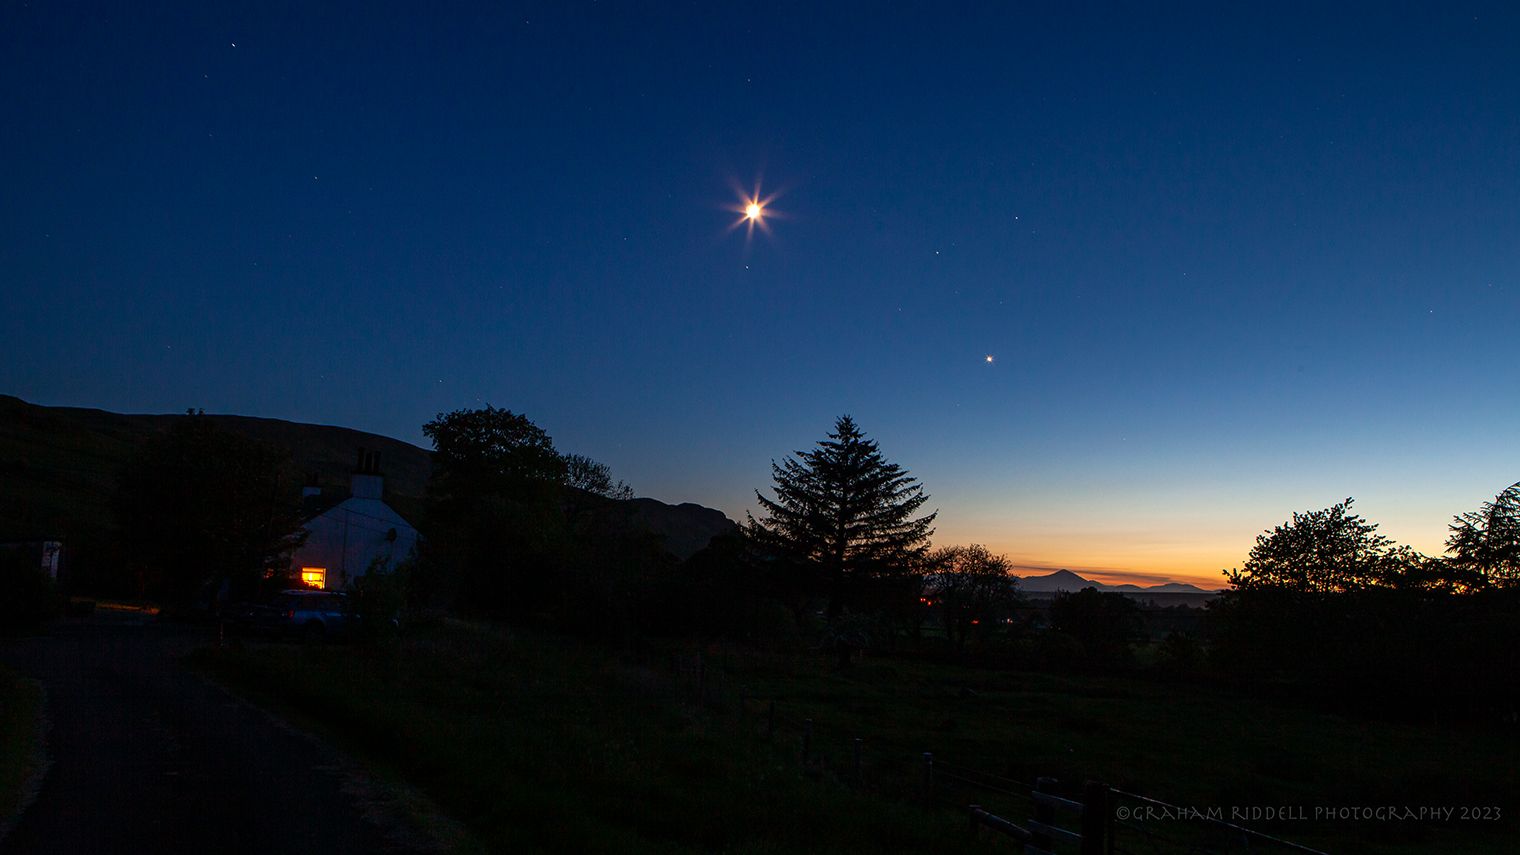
(314, 577)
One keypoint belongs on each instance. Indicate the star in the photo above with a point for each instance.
(988, 359)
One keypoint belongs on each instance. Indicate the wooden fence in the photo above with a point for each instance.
(1054, 820)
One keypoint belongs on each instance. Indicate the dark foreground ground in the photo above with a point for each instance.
(147, 757)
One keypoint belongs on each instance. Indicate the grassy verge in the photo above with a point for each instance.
(1189, 745)
(548, 745)
(20, 753)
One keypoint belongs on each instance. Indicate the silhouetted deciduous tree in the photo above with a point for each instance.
(496, 530)
(583, 473)
(1326, 607)
(971, 589)
(201, 504)
(1485, 544)
(1321, 552)
(1105, 622)
(490, 451)
(844, 512)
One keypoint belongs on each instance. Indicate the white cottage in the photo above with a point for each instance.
(345, 540)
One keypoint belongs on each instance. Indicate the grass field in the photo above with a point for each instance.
(544, 745)
(1191, 746)
(20, 702)
(552, 745)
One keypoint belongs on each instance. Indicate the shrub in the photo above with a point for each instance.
(28, 598)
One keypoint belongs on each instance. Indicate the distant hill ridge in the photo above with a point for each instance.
(1065, 580)
(58, 470)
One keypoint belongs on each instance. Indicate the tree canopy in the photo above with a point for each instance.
(842, 510)
(1106, 623)
(970, 587)
(1485, 544)
(583, 473)
(1326, 606)
(506, 537)
(490, 451)
(496, 530)
(201, 504)
(1326, 551)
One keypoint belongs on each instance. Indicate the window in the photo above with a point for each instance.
(314, 577)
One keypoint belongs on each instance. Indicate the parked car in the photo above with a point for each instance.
(304, 614)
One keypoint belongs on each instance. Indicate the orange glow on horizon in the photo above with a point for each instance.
(1121, 577)
(1132, 557)
(1115, 567)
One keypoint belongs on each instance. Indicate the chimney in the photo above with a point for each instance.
(367, 483)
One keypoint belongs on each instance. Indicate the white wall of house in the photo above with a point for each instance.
(347, 539)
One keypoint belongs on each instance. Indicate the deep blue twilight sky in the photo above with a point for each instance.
(1231, 261)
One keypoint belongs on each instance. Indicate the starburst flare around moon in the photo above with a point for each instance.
(754, 209)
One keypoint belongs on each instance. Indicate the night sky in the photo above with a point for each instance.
(1230, 262)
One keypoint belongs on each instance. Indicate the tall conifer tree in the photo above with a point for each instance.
(1486, 543)
(843, 512)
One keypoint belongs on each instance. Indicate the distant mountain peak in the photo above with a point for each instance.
(1060, 580)
(1065, 580)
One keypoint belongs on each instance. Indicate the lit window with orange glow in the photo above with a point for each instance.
(314, 577)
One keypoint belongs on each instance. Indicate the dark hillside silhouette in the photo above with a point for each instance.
(683, 529)
(60, 464)
(514, 531)
(59, 468)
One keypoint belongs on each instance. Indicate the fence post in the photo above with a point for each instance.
(1095, 818)
(1044, 813)
(807, 741)
(770, 722)
(928, 775)
(860, 779)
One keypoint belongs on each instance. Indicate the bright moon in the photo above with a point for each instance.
(755, 212)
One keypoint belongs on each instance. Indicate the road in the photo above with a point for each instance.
(148, 757)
